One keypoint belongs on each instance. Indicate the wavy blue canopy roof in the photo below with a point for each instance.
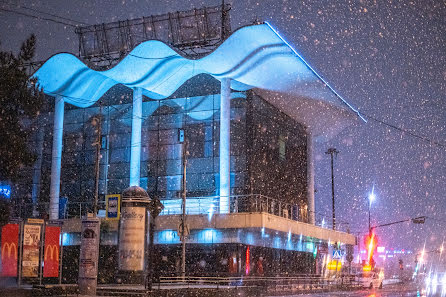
(253, 57)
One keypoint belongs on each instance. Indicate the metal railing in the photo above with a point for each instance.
(269, 284)
(74, 209)
(194, 205)
(254, 203)
(242, 285)
(237, 204)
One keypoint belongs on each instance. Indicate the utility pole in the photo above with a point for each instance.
(89, 250)
(183, 139)
(98, 119)
(370, 228)
(332, 151)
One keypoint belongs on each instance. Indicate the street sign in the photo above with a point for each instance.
(337, 254)
(113, 206)
(35, 221)
(89, 256)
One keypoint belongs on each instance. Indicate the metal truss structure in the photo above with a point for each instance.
(194, 33)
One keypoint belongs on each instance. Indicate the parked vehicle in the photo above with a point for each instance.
(371, 279)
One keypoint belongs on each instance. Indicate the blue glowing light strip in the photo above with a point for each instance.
(315, 73)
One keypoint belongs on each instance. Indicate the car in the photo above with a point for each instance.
(370, 279)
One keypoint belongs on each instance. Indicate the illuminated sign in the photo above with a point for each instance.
(9, 249)
(30, 254)
(9, 242)
(113, 206)
(337, 254)
(381, 249)
(5, 191)
(51, 251)
(334, 265)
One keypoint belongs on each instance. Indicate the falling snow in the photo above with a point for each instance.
(387, 58)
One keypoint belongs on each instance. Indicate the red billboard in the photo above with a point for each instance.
(10, 242)
(51, 253)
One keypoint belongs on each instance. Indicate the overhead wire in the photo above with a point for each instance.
(44, 12)
(405, 131)
(38, 17)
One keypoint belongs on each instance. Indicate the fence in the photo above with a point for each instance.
(269, 284)
(254, 203)
(238, 204)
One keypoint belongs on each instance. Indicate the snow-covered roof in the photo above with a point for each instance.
(253, 57)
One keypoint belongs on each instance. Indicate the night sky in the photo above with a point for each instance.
(387, 58)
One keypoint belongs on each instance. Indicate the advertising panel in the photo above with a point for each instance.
(113, 206)
(51, 254)
(88, 260)
(89, 256)
(10, 242)
(31, 243)
(132, 239)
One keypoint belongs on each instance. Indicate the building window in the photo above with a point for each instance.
(282, 148)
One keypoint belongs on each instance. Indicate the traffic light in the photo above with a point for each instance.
(419, 220)
(400, 262)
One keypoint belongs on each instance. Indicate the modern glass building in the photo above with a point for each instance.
(268, 148)
(249, 113)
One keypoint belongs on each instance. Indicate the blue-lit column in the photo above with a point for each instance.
(225, 144)
(310, 178)
(56, 157)
(135, 148)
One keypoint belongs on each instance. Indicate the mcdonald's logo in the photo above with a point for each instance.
(53, 251)
(9, 247)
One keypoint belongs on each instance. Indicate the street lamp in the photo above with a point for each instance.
(372, 198)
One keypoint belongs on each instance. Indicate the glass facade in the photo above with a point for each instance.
(268, 148)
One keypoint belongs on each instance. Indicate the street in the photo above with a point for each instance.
(387, 291)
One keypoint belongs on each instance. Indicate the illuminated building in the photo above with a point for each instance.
(250, 111)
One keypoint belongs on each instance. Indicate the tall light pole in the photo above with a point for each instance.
(184, 141)
(97, 121)
(332, 151)
(372, 198)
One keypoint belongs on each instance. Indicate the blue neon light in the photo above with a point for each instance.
(254, 56)
(5, 191)
(203, 205)
(167, 237)
(317, 74)
(277, 242)
(310, 246)
(209, 236)
(211, 211)
(66, 239)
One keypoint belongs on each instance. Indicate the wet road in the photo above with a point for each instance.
(387, 291)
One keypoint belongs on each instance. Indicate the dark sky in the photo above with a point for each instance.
(388, 58)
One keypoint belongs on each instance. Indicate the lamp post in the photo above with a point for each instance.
(372, 198)
(332, 151)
